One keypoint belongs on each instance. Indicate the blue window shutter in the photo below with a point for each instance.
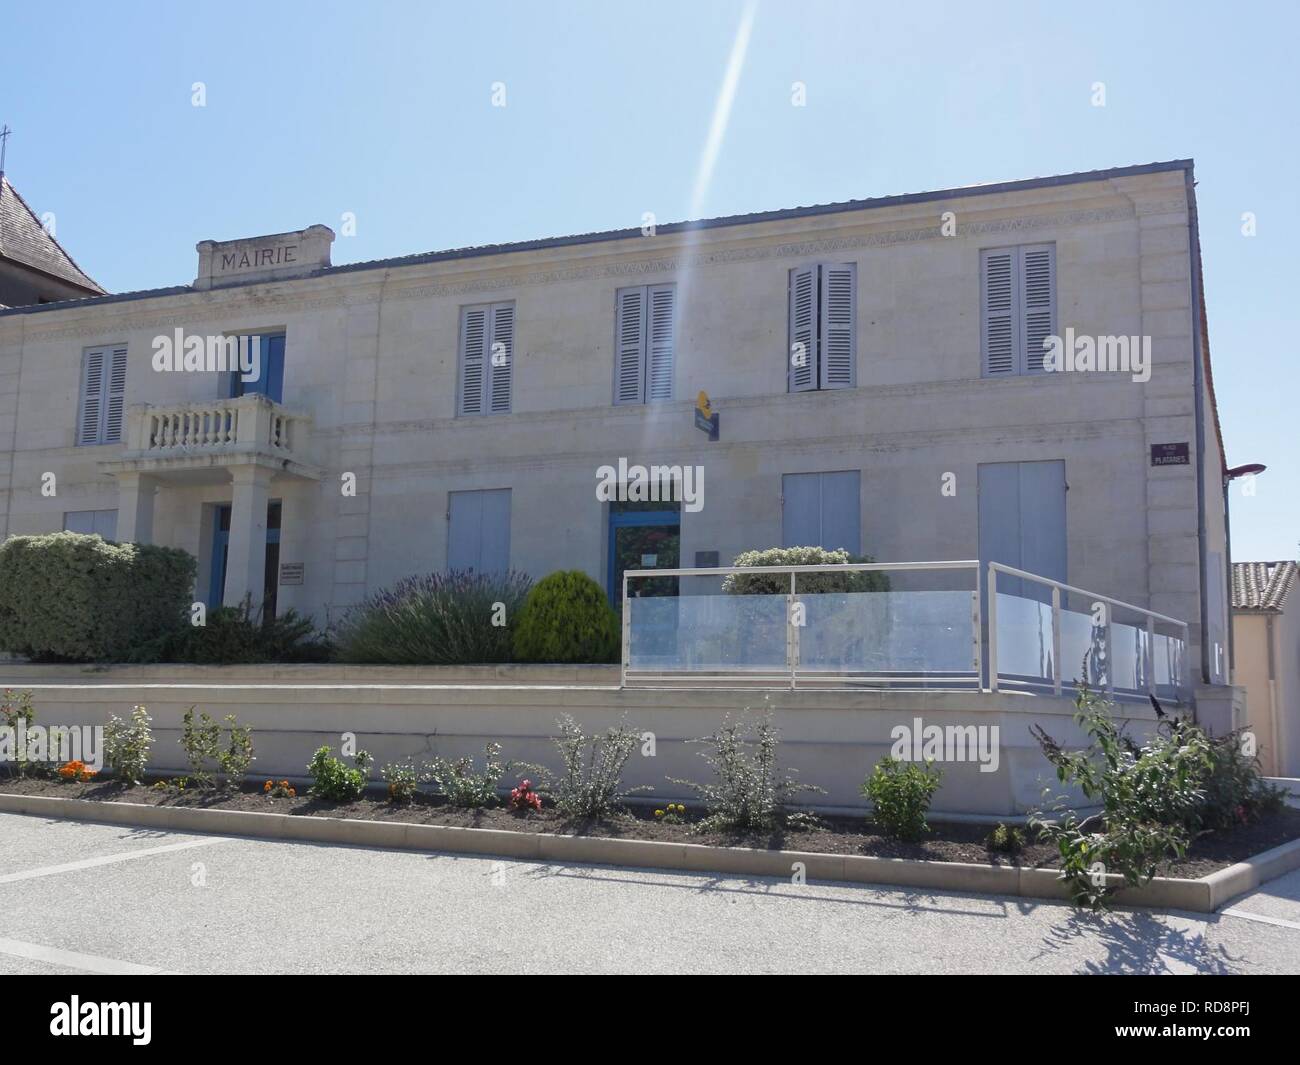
(473, 346)
(494, 556)
(629, 345)
(801, 341)
(1037, 302)
(92, 397)
(501, 356)
(801, 510)
(837, 366)
(465, 510)
(115, 400)
(841, 513)
(662, 341)
(998, 312)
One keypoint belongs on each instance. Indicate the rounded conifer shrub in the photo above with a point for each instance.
(567, 618)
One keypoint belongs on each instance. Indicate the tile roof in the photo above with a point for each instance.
(1262, 585)
(24, 240)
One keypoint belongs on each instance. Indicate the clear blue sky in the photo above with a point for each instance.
(383, 109)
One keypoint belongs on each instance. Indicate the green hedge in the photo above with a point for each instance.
(808, 583)
(566, 618)
(69, 597)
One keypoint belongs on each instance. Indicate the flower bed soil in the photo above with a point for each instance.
(947, 842)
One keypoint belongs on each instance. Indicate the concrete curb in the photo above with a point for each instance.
(1200, 896)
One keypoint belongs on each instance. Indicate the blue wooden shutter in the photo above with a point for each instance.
(841, 513)
(837, 366)
(501, 356)
(662, 341)
(800, 510)
(114, 407)
(1037, 302)
(473, 346)
(92, 397)
(629, 345)
(802, 331)
(478, 538)
(997, 311)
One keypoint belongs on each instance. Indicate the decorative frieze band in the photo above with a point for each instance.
(118, 318)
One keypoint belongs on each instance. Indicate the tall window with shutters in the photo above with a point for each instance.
(487, 355)
(822, 343)
(103, 395)
(1017, 307)
(645, 343)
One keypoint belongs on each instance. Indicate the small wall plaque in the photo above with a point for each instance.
(1170, 455)
(291, 572)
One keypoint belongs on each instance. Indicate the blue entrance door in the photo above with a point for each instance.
(269, 381)
(221, 553)
(642, 539)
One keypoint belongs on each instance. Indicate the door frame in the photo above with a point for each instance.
(220, 546)
(624, 519)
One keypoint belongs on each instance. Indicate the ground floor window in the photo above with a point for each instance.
(478, 530)
(102, 522)
(822, 510)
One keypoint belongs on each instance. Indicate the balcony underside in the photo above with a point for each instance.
(208, 465)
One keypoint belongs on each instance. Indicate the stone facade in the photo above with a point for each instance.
(370, 381)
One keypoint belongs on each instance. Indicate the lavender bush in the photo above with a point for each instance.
(455, 618)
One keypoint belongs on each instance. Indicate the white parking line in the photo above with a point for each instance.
(1261, 918)
(108, 859)
(91, 963)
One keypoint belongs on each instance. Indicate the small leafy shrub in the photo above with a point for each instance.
(281, 790)
(403, 781)
(1155, 797)
(126, 745)
(808, 583)
(336, 781)
(672, 814)
(16, 710)
(236, 635)
(523, 798)
(567, 618)
(201, 741)
(466, 787)
(1236, 791)
(900, 794)
(237, 757)
(750, 791)
(1005, 840)
(590, 787)
(66, 597)
(447, 618)
(76, 770)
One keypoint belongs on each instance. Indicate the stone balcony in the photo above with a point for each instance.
(204, 441)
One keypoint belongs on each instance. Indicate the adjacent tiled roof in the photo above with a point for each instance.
(24, 240)
(1262, 585)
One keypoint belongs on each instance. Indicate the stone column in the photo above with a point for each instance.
(246, 551)
(135, 492)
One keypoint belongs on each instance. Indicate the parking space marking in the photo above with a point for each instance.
(71, 959)
(1261, 918)
(109, 859)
